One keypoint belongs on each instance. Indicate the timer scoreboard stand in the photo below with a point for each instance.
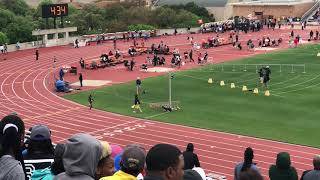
(54, 11)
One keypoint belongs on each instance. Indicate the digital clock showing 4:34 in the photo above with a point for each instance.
(54, 10)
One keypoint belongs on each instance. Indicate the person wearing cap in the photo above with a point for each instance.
(106, 163)
(132, 164)
(246, 165)
(81, 157)
(315, 173)
(40, 146)
(164, 162)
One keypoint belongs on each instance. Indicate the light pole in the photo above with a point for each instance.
(170, 94)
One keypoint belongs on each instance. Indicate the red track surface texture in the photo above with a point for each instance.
(27, 88)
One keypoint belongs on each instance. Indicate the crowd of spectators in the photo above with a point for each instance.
(83, 157)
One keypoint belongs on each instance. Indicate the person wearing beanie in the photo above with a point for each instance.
(246, 164)
(81, 158)
(283, 170)
(132, 164)
(164, 162)
(315, 173)
(190, 158)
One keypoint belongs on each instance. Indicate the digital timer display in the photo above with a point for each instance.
(54, 10)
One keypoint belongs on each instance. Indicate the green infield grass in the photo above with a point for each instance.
(290, 114)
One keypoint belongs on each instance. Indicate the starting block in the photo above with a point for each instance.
(210, 81)
(267, 93)
(222, 83)
(233, 86)
(255, 91)
(244, 88)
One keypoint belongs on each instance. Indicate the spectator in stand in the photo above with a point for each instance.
(57, 165)
(190, 158)
(246, 165)
(283, 170)
(11, 140)
(106, 164)
(191, 175)
(315, 173)
(81, 158)
(132, 164)
(40, 146)
(250, 175)
(164, 162)
(55, 169)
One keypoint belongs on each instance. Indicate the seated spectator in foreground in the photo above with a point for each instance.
(11, 138)
(40, 146)
(246, 165)
(313, 174)
(250, 175)
(283, 170)
(56, 167)
(191, 175)
(190, 158)
(118, 157)
(106, 164)
(165, 162)
(81, 158)
(131, 164)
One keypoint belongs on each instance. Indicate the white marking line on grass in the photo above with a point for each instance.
(298, 83)
(300, 89)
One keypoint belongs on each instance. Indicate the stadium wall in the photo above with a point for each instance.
(277, 11)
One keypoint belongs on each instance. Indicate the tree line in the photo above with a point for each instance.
(18, 20)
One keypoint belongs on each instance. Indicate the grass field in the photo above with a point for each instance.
(290, 114)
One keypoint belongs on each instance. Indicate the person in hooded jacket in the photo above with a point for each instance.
(283, 170)
(81, 158)
(190, 158)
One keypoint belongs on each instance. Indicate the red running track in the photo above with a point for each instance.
(27, 88)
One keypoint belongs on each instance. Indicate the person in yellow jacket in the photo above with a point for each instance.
(132, 163)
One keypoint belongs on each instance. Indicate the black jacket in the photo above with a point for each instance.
(190, 159)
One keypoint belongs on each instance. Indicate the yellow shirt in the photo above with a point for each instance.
(120, 175)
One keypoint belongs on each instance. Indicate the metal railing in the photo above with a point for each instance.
(311, 11)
